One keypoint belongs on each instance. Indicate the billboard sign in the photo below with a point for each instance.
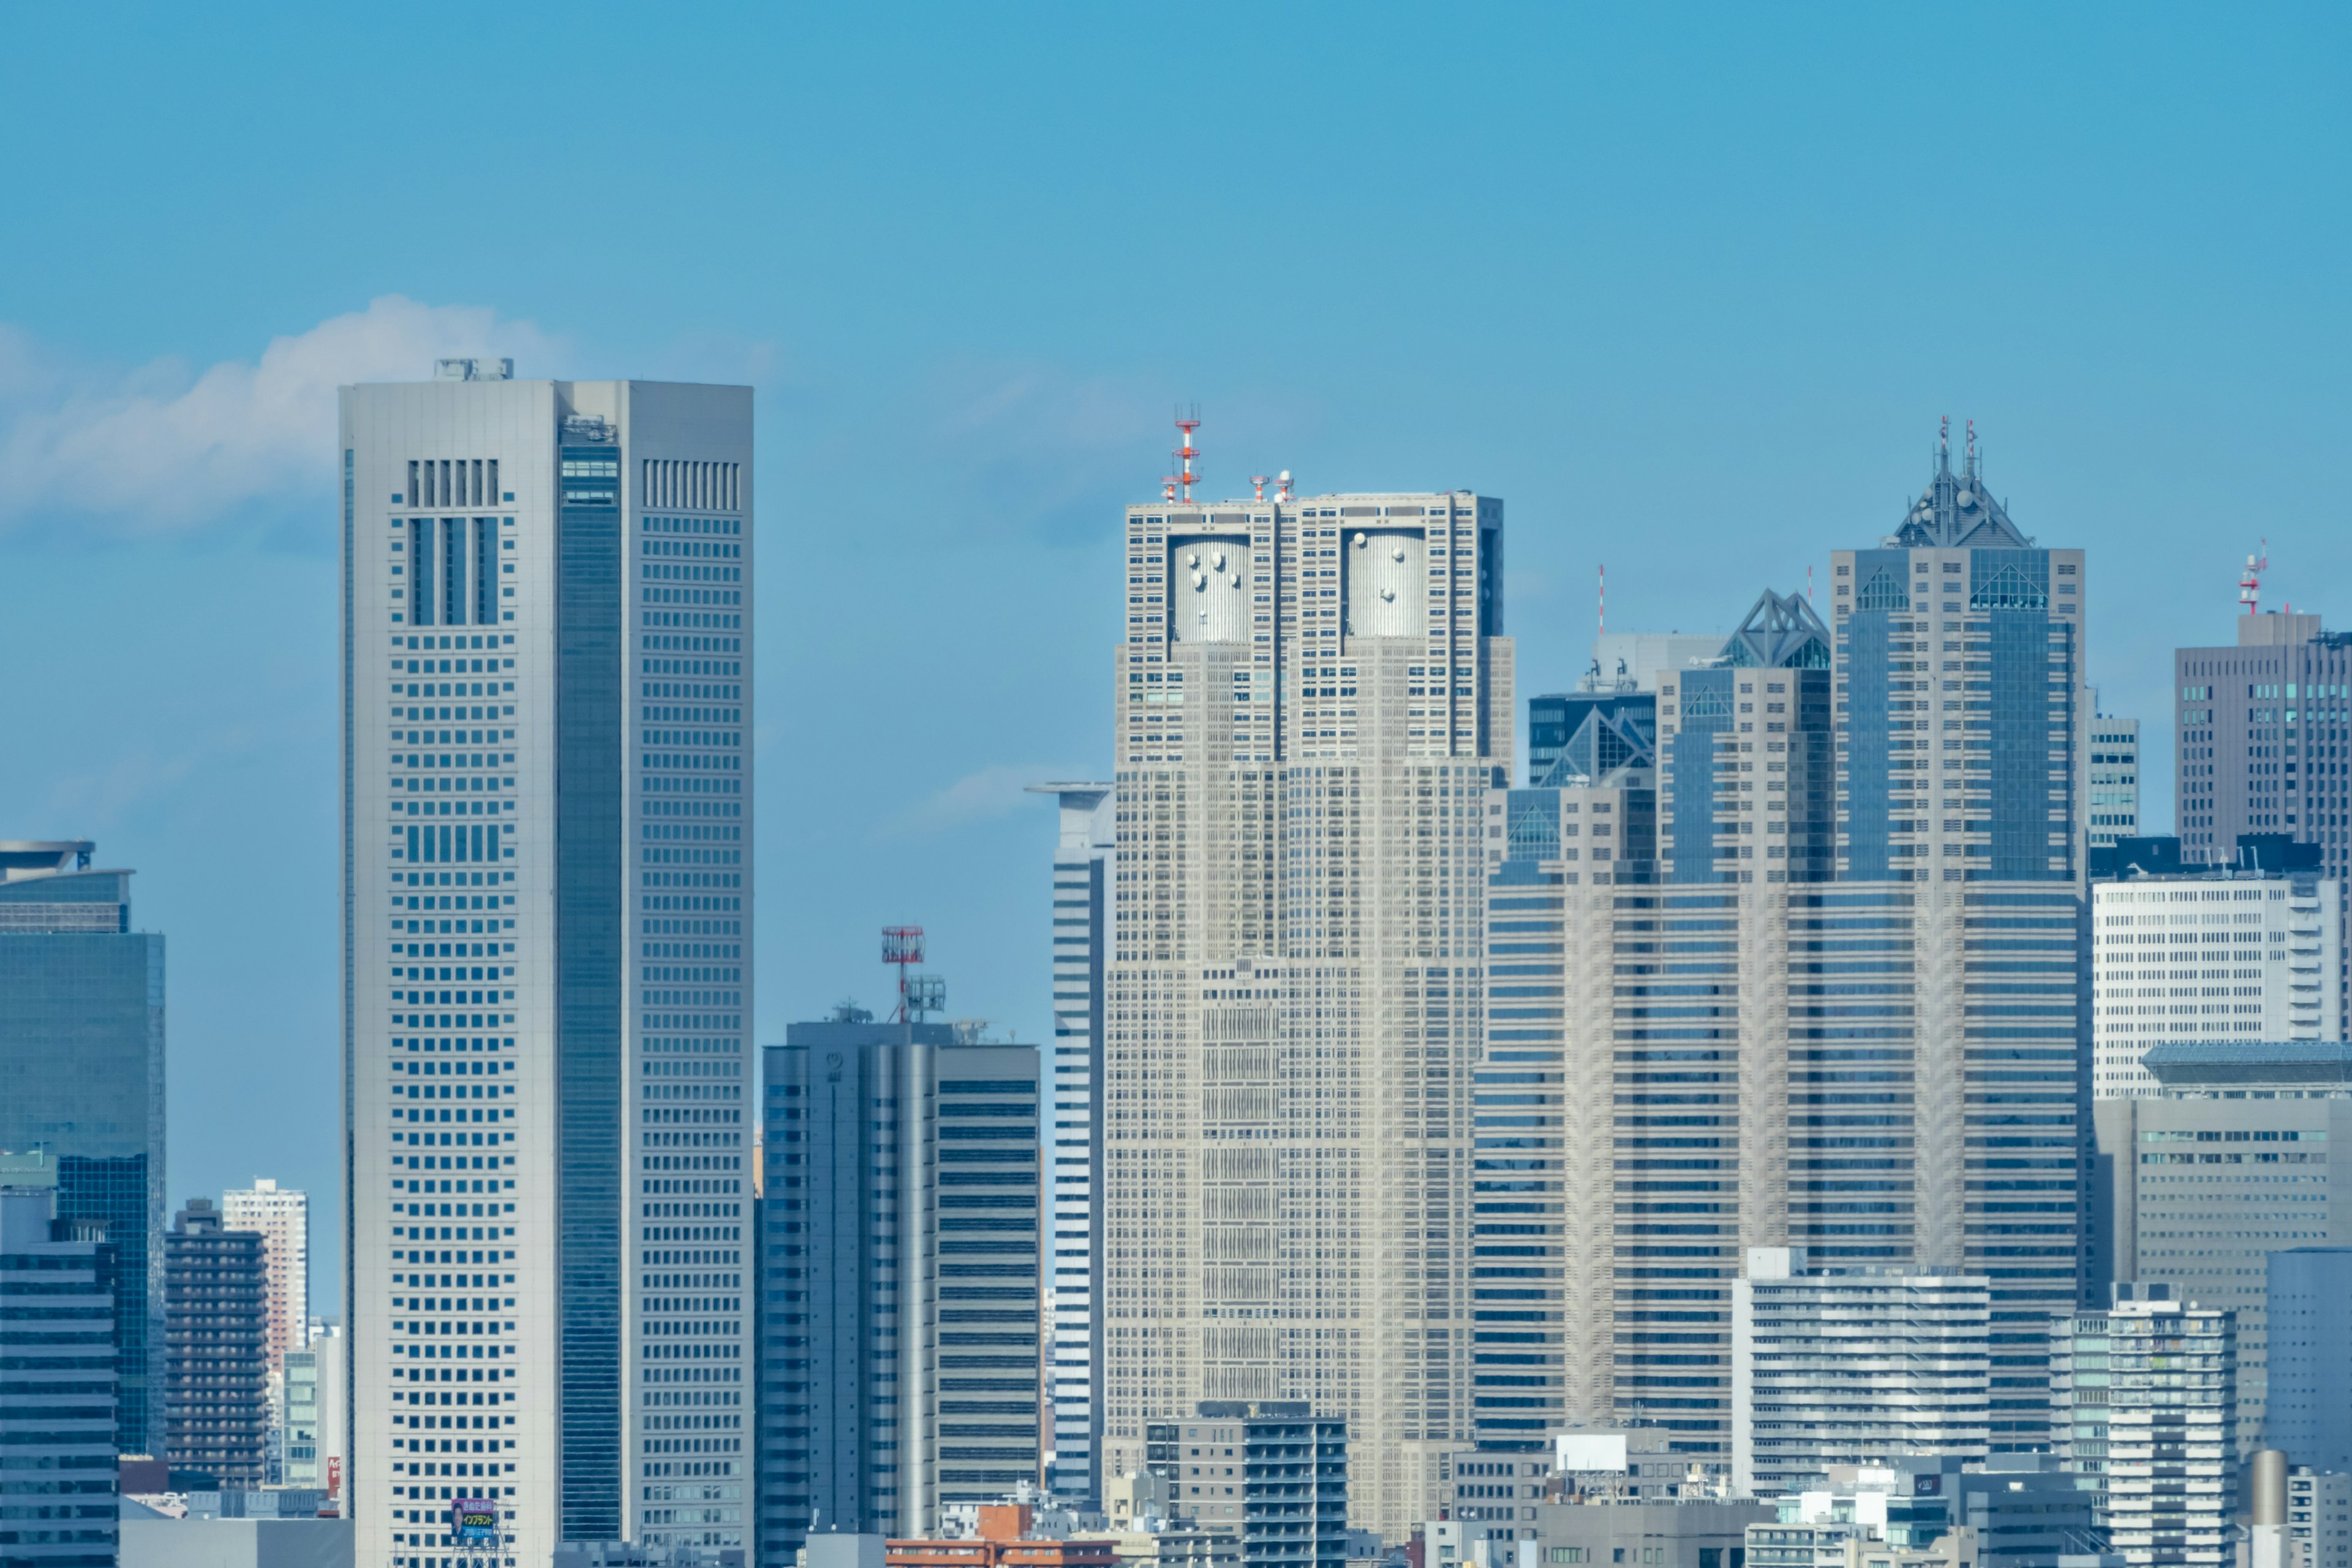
(473, 1518)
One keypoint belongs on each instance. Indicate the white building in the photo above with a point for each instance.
(317, 1411)
(1082, 913)
(547, 828)
(282, 1216)
(2318, 1519)
(1853, 1366)
(1312, 699)
(2112, 808)
(2209, 955)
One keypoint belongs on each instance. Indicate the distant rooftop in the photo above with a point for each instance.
(2266, 1063)
(22, 857)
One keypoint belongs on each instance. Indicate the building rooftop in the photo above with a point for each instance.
(2239, 1064)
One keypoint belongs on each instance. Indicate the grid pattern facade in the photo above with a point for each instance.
(2110, 809)
(1854, 1367)
(2144, 1408)
(56, 1389)
(81, 1077)
(2310, 1339)
(282, 1220)
(1271, 1473)
(900, 1316)
(1081, 927)
(216, 1320)
(2215, 957)
(1312, 702)
(547, 916)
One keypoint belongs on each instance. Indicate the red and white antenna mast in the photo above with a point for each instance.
(1284, 480)
(2249, 582)
(1257, 487)
(1187, 452)
(1602, 598)
(902, 945)
(1167, 487)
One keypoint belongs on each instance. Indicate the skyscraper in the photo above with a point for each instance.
(1082, 907)
(2310, 1298)
(216, 1295)
(901, 1323)
(2266, 743)
(1313, 699)
(282, 1219)
(58, 1461)
(1961, 713)
(82, 1078)
(547, 833)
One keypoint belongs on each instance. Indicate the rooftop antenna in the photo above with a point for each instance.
(2249, 582)
(1602, 571)
(902, 945)
(1809, 584)
(1284, 480)
(1188, 423)
(1944, 445)
(1257, 487)
(1168, 486)
(1971, 460)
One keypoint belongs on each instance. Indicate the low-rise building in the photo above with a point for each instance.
(1003, 1539)
(2318, 1519)
(1272, 1471)
(1692, 1535)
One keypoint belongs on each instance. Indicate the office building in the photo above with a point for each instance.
(1648, 658)
(2226, 1166)
(547, 847)
(1871, 1519)
(899, 1313)
(1694, 1532)
(56, 1387)
(217, 1361)
(2263, 742)
(1082, 910)
(1270, 1471)
(1542, 1199)
(81, 1080)
(281, 1218)
(2144, 1396)
(2210, 953)
(2319, 1518)
(1312, 700)
(2111, 811)
(2310, 1301)
(1853, 1366)
(1962, 713)
(1610, 724)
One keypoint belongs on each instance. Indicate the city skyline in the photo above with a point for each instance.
(1671, 307)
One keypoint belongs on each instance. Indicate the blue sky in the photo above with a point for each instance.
(1687, 286)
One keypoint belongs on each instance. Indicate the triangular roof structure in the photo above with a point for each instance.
(1955, 511)
(1779, 631)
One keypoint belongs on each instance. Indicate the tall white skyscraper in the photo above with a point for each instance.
(547, 849)
(282, 1216)
(1081, 909)
(1313, 699)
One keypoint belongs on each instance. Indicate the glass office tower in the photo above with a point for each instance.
(547, 832)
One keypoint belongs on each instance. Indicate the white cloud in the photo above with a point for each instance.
(160, 449)
(992, 792)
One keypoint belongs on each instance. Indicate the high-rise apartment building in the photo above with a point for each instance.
(281, 1218)
(1961, 718)
(2265, 742)
(899, 1318)
(1082, 912)
(2111, 811)
(2143, 1405)
(2309, 1291)
(2227, 1162)
(1853, 1366)
(1270, 1471)
(58, 1454)
(2210, 954)
(216, 1325)
(546, 851)
(81, 1080)
(1312, 700)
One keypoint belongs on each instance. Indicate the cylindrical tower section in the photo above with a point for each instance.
(2267, 1481)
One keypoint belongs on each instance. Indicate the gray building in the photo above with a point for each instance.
(1853, 1366)
(1082, 910)
(1271, 1471)
(2310, 1339)
(2143, 1397)
(2264, 727)
(82, 1081)
(899, 1320)
(58, 1456)
(2227, 1165)
(548, 842)
(1692, 1533)
(2111, 810)
(1597, 727)
(216, 1331)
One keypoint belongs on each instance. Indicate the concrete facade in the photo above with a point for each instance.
(546, 922)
